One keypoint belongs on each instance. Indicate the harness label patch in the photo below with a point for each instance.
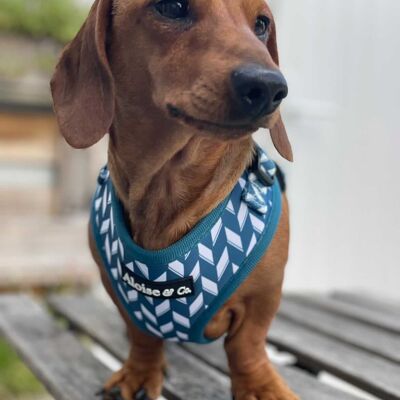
(175, 289)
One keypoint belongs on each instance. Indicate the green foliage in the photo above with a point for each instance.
(57, 19)
(15, 378)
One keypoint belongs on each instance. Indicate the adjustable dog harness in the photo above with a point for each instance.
(173, 293)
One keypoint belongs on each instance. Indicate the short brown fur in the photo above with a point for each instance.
(122, 74)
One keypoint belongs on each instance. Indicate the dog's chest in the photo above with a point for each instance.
(173, 293)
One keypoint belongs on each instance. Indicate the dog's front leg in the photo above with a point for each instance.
(142, 374)
(252, 310)
(253, 377)
(143, 371)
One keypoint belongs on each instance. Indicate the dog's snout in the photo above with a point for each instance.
(258, 91)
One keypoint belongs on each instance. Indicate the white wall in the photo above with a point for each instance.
(342, 60)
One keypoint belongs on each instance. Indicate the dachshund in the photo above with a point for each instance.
(180, 86)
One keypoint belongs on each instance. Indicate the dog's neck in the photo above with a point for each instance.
(168, 181)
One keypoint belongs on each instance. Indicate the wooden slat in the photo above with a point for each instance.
(186, 372)
(188, 378)
(370, 338)
(306, 386)
(68, 370)
(378, 304)
(369, 315)
(213, 354)
(367, 371)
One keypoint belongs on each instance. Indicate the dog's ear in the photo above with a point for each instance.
(82, 85)
(278, 132)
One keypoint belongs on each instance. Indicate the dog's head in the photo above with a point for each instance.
(209, 64)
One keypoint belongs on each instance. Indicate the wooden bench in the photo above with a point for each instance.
(72, 342)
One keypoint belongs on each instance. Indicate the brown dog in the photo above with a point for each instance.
(180, 85)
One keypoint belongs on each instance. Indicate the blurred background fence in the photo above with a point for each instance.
(44, 185)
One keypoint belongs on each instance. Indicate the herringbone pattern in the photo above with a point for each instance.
(213, 262)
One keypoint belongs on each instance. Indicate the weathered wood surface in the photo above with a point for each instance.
(205, 380)
(68, 370)
(316, 350)
(378, 317)
(321, 339)
(371, 302)
(187, 377)
(370, 338)
(305, 385)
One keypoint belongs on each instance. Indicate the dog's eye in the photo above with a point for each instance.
(262, 25)
(173, 9)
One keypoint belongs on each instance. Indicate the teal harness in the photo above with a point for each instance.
(173, 293)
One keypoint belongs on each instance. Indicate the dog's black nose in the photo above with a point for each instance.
(258, 91)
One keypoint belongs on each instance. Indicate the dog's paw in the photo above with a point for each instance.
(261, 384)
(115, 394)
(130, 383)
(266, 395)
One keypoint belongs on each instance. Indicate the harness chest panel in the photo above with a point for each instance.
(174, 293)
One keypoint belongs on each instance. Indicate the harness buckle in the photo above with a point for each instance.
(264, 176)
(261, 178)
(264, 169)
